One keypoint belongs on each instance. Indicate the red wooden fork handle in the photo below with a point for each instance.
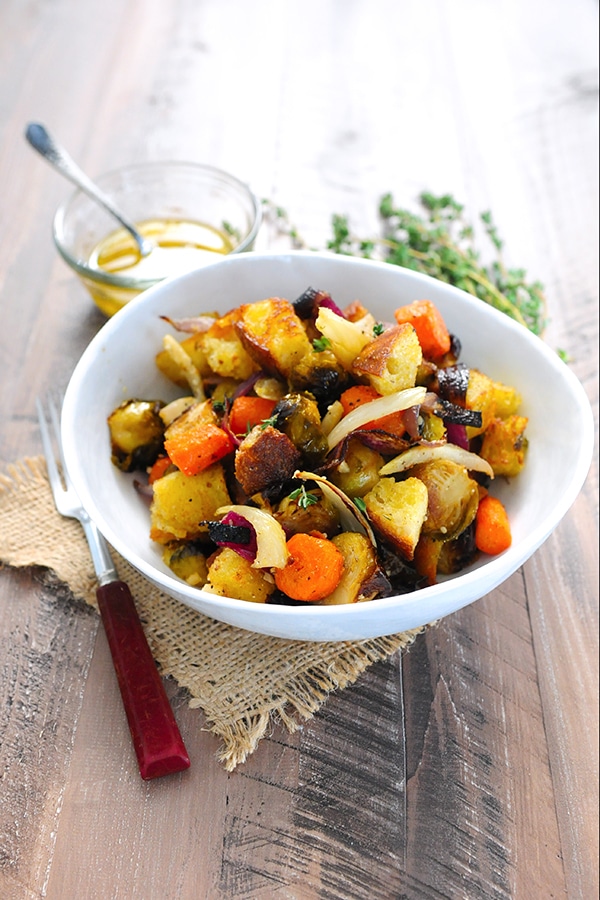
(156, 738)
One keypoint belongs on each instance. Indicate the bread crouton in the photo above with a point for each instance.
(397, 510)
(390, 362)
(266, 456)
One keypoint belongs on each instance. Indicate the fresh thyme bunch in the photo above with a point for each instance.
(441, 243)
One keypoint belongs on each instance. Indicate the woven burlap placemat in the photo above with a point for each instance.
(243, 682)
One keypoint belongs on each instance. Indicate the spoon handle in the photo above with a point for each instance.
(58, 157)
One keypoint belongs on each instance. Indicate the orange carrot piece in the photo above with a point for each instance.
(198, 447)
(159, 468)
(313, 570)
(356, 395)
(359, 394)
(492, 528)
(427, 321)
(246, 412)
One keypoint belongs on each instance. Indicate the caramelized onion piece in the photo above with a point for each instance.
(270, 537)
(351, 518)
(375, 409)
(416, 455)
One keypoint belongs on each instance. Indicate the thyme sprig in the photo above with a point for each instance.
(442, 243)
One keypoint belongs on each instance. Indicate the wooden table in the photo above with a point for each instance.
(468, 768)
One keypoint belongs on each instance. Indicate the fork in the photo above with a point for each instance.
(156, 738)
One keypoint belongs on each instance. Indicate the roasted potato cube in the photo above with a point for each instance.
(266, 456)
(136, 434)
(397, 510)
(504, 445)
(187, 561)
(225, 352)
(391, 361)
(507, 399)
(181, 502)
(230, 575)
(273, 335)
(481, 396)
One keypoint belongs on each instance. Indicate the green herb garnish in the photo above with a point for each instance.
(303, 497)
(441, 243)
(360, 504)
(378, 329)
(321, 343)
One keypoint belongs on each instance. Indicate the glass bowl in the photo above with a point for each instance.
(194, 213)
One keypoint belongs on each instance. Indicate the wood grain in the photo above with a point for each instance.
(469, 767)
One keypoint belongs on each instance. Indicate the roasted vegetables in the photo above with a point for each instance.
(318, 456)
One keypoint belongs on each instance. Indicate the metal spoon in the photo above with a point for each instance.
(58, 157)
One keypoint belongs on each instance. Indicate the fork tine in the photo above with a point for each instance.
(48, 446)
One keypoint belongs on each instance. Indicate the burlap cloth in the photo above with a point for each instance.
(243, 682)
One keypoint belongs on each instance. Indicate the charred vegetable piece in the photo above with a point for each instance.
(457, 554)
(452, 383)
(297, 415)
(306, 306)
(457, 415)
(187, 561)
(359, 470)
(320, 374)
(136, 434)
(221, 533)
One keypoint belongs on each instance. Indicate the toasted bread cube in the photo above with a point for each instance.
(504, 445)
(225, 352)
(397, 510)
(230, 575)
(266, 456)
(273, 335)
(391, 361)
(181, 502)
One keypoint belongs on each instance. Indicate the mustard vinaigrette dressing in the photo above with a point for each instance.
(180, 246)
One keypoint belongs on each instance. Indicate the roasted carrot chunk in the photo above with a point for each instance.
(246, 412)
(492, 528)
(196, 448)
(355, 396)
(360, 394)
(159, 468)
(313, 570)
(427, 321)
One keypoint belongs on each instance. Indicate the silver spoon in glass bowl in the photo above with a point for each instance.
(58, 157)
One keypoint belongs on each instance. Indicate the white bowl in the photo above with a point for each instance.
(119, 364)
